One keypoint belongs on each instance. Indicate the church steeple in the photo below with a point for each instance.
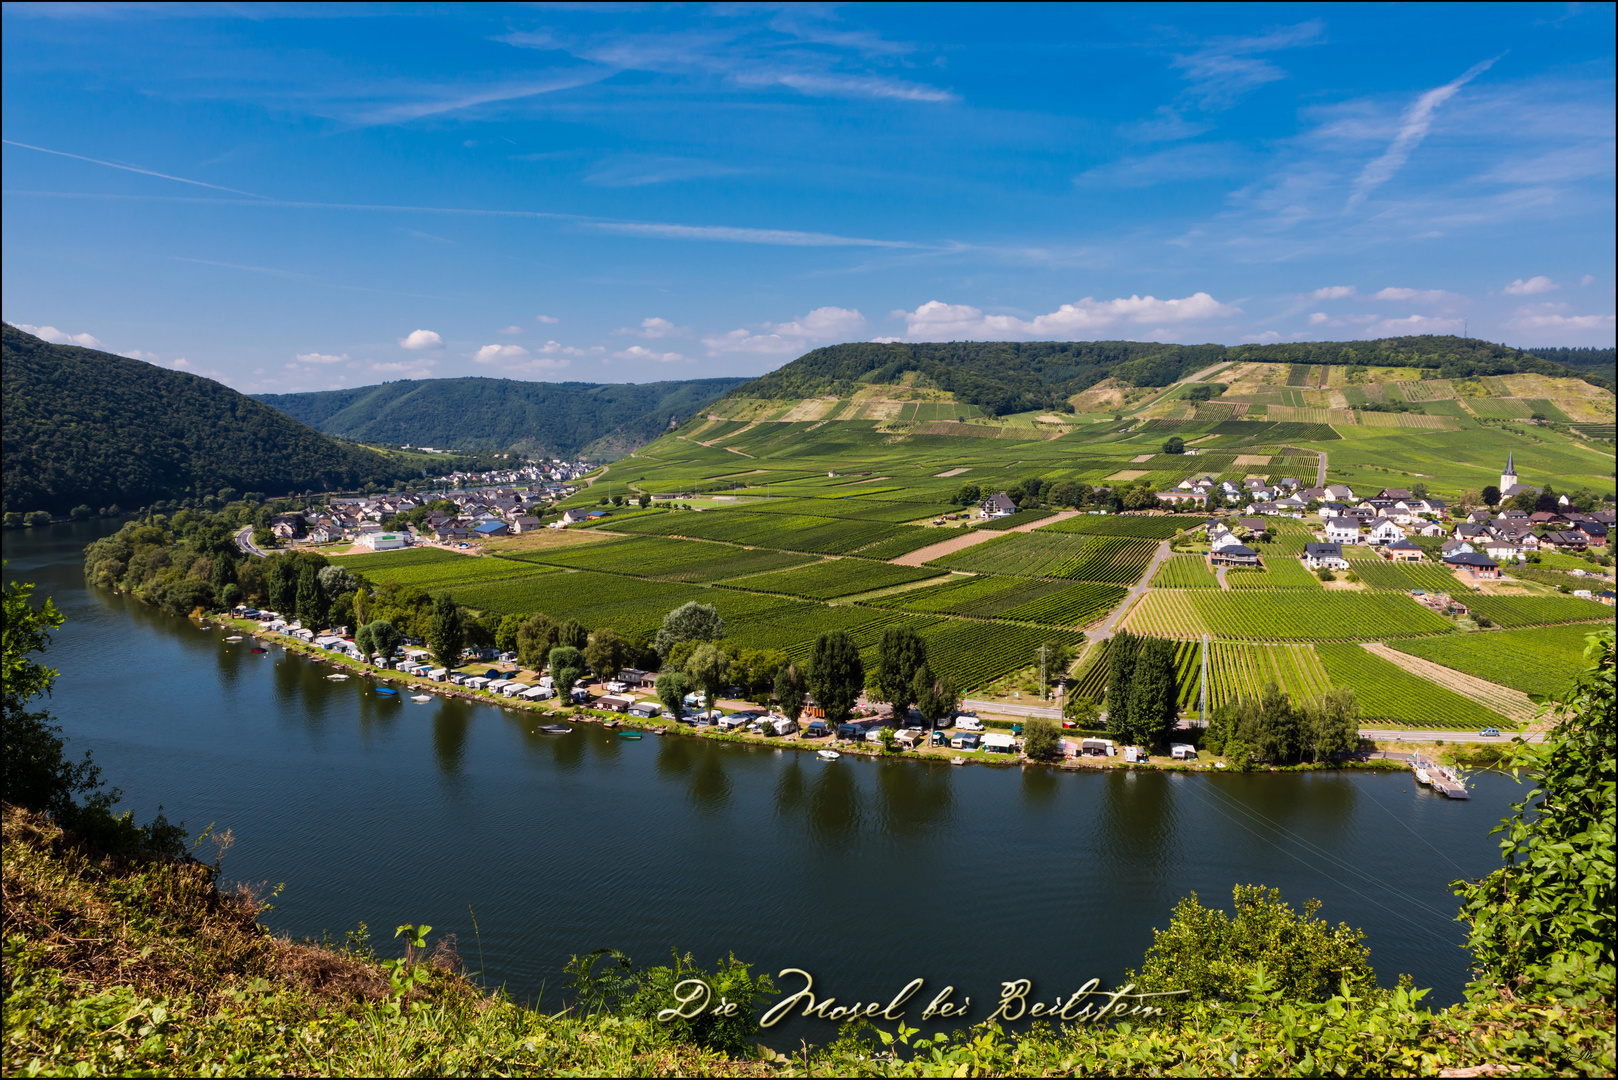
(1508, 479)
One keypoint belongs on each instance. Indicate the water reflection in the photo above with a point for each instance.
(791, 789)
(1040, 788)
(450, 729)
(915, 798)
(1137, 819)
(710, 784)
(836, 809)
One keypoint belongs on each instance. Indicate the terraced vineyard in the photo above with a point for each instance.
(1511, 611)
(984, 595)
(1293, 616)
(831, 578)
(786, 532)
(1512, 704)
(1542, 660)
(977, 653)
(1184, 572)
(1408, 576)
(1386, 692)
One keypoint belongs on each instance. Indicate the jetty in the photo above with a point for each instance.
(1441, 778)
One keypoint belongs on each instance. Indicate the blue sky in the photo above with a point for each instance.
(296, 198)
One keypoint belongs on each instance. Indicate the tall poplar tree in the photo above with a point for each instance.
(899, 656)
(1120, 676)
(835, 674)
(446, 636)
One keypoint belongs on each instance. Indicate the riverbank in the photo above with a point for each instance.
(1367, 759)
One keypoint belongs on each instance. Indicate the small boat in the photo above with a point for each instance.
(384, 691)
(423, 698)
(257, 649)
(1422, 777)
(827, 755)
(337, 678)
(555, 729)
(234, 637)
(629, 735)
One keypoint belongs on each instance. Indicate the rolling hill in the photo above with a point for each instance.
(90, 427)
(1001, 377)
(561, 419)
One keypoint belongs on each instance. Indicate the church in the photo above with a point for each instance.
(1509, 485)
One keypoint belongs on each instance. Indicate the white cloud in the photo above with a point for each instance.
(1414, 324)
(510, 330)
(656, 328)
(490, 353)
(1419, 296)
(321, 358)
(1551, 317)
(732, 234)
(1316, 318)
(1418, 118)
(422, 339)
(137, 354)
(886, 340)
(1333, 292)
(938, 321)
(822, 325)
(419, 369)
(1193, 161)
(59, 337)
(1532, 287)
(1227, 69)
(1587, 279)
(546, 319)
(640, 352)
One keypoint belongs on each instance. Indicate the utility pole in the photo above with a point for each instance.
(1042, 672)
(1202, 709)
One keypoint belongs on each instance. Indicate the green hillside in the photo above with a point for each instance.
(1004, 377)
(560, 419)
(82, 426)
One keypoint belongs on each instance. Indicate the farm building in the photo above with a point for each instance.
(1328, 556)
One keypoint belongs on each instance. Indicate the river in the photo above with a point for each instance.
(867, 873)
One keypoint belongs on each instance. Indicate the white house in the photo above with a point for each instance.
(1386, 532)
(1343, 530)
(1328, 556)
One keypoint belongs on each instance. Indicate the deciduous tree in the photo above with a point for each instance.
(900, 654)
(835, 674)
(446, 635)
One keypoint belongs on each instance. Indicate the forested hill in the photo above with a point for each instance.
(92, 428)
(561, 419)
(1006, 377)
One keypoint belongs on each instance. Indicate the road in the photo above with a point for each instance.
(1447, 736)
(1004, 709)
(1104, 631)
(244, 540)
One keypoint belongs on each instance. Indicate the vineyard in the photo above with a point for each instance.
(1024, 517)
(1387, 692)
(976, 653)
(832, 578)
(1407, 576)
(1542, 660)
(1184, 572)
(1075, 605)
(446, 570)
(1279, 572)
(983, 596)
(1145, 528)
(1511, 611)
(1236, 670)
(1293, 616)
(1109, 559)
(666, 560)
(787, 532)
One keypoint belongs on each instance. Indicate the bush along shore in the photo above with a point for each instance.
(122, 955)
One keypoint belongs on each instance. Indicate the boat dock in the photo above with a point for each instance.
(1441, 778)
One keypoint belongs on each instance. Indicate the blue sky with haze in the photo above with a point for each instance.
(295, 198)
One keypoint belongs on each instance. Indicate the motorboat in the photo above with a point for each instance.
(555, 729)
(336, 678)
(1422, 778)
(259, 650)
(234, 637)
(422, 698)
(384, 691)
(827, 755)
(629, 735)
